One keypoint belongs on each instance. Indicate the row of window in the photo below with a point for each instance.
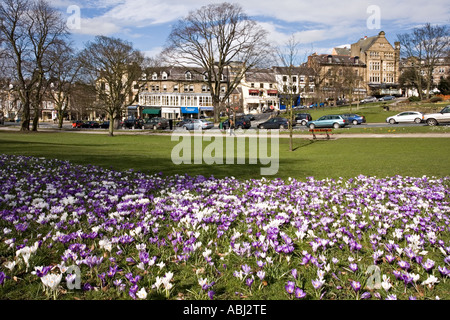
(186, 88)
(376, 78)
(187, 76)
(175, 100)
(387, 66)
(376, 54)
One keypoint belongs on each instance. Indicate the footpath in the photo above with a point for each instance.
(334, 136)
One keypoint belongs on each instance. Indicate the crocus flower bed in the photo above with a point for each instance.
(130, 235)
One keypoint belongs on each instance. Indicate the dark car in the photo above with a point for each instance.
(385, 98)
(90, 125)
(354, 118)
(250, 117)
(77, 124)
(303, 118)
(104, 125)
(183, 122)
(241, 123)
(132, 124)
(341, 102)
(275, 123)
(156, 123)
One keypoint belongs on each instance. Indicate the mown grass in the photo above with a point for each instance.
(321, 159)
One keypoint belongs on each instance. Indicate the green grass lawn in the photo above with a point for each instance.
(321, 159)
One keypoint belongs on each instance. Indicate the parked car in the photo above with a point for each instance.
(156, 123)
(433, 119)
(354, 118)
(369, 99)
(407, 116)
(77, 124)
(250, 117)
(132, 124)
(328, 121)
(341, 102)
(275, 123)
(385, 98)
(197, 124)
(184, 121)
(303, 118)
(104, 125)
(241, 123)
(90, 125)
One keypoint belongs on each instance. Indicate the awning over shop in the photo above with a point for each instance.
(132, 107)
(272, 91)
(170, 110)
(151, 111)
(207, 108)
(253, 91)
(189, 109)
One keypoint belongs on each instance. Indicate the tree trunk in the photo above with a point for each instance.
(216, 108)
(111, 127)
(25, 126)
(60, 120)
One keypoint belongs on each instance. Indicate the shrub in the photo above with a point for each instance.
(436, 99)
(414, 99)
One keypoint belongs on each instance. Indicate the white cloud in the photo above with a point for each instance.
(312, 22)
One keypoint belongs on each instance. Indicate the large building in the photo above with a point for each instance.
(369, 67)
(382, 62)
(175, 92)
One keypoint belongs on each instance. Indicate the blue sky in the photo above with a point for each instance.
(317, 25)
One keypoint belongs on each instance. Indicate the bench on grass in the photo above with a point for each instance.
(320, 131)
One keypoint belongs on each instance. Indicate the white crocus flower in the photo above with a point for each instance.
(386, 284)
(52, 280)
(142, 294)
(158, 283)
(431, 281)
(10, 265)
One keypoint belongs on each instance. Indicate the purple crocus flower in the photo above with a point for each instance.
(2, 277)
(133, 290)
(211, 294)
(249, 282)
(418, 259)
(366, 295)
(290, 287)
(390, 258)
(299, 293)
(404, 265)
(428, 265)
(355, 285)
(317, 284)
(444, 271)
(294, 273)
(87, 287)
(247, 270)
(353, 267)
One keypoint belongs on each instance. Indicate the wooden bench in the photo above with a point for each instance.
(320, 131)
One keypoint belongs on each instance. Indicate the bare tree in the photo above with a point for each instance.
(63, 75)
(424, 46)
(113, 67)
(212, 38)
(288, 56)
(29, 29)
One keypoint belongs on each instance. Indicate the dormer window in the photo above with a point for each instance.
(205, 76)
(154, 76)
(164, 76)
(188, 75)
